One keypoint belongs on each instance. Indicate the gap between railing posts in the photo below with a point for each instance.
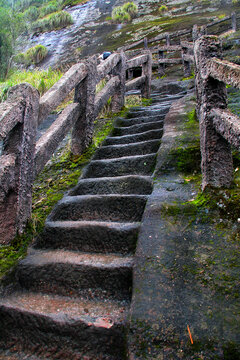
(217, 165)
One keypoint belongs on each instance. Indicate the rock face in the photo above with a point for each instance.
(91, 33)
(74, 288)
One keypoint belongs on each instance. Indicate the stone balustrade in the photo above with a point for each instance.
(23, 157)
(219, 128)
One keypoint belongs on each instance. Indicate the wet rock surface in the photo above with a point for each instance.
(74, 288)
(182, 284)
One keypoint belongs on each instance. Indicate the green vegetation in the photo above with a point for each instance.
(41, 80)
(162, 9)
(57, 20)
(49, 187)
(125, 13)
(33, 55)
(61, 174)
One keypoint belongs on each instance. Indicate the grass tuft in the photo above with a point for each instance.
(34, 55)
(57, 20)
(42, 80)
(125, 13)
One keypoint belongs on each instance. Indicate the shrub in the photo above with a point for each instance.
(31, 14)
(162, 9)
(49, 9)
(125, 13)
(57, 20)
(130, 8)
(33, 55)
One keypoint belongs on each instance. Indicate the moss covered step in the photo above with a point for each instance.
(46, 325)
(129, 165)
(117, 208)
(115, 151)
(128, 139)
(97, 236)
(138, 128)
(120, 122)
(74, 274)
(131, 184)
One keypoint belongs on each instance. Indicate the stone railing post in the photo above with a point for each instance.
(186, 64)
(161, 67)
(145, 41)
(203, 30)
(195, 33)
(217, 167)
(19, 151)
(168, 40)
(234, 21)
(85, 95)
(118, 98)
(147, 71)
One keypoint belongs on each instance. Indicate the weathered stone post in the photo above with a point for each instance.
(145, 41)
(17, 160)
(195, 33)
(234, 21)
(186, 64)
(85, 95)
(203, 30)
(161, 67)
(217, 167)
(168, 40)
(119, 96)
(147, 71)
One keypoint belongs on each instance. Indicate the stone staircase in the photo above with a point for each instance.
(74, 287)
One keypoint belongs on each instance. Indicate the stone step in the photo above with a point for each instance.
(116, 151)
(117, 208)
(128, 139)
(131, 184)
(147, 112)
(139, 128)
(12, 355)
(56, 327)
(87, 236)
(129, 165)
(121, 122)
(164, 99)
(68, 273)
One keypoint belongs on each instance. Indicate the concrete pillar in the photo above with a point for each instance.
(186, 64)
(19, 150)
(85, 95)
(147, 71)
(161, 67)
(145, 43)
(217, 166)
(120, 71)
(167, 39)
(234, 22)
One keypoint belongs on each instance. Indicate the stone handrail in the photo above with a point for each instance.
(219, 128)
(225, 71)
(178, 34)
(23, 158)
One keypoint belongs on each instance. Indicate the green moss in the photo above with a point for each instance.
(48, 189)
